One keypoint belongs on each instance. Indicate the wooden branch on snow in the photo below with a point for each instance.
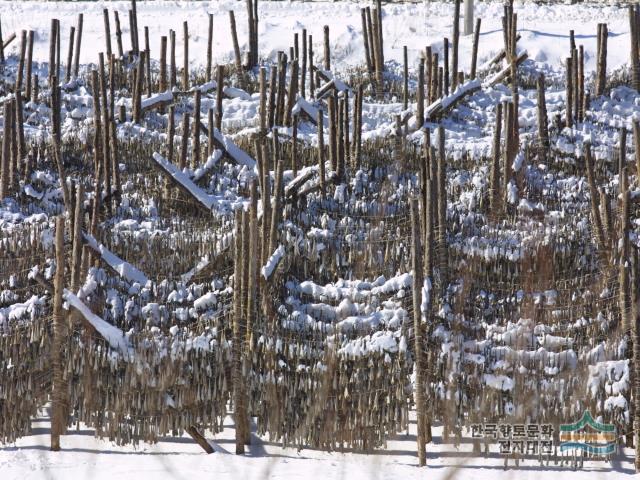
(9, 39)
(166, 168)
(229, 148)
(294, 185)
(446, 103)
(122, 268)
(199, 439)
(505, 72)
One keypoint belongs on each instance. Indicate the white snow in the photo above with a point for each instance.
(113, 335)
(272, 262)
(124, 269)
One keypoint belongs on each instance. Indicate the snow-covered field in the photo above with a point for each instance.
(544, 28)
(179, 458)
(580, 360)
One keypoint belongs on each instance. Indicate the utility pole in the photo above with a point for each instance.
(468, 17)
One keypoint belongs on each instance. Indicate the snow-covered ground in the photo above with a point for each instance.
(82, 456)
(544, 28)
(545, 35)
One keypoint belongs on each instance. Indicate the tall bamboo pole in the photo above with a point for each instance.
(58, 383)
(418, 281)
(456, 42)
(76, 62)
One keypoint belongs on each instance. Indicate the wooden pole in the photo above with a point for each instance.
(495, 196)
(442, 209)
(282, 91)
(377, 56)
(580, 85)
(134, 33)
(255, 34)
(365, 37)
(266, 203)
(264, 114)
(234, 37)
(633, 37)
(28, 80)
(58, 46)
(195, 158)
(569, 102)
(607, 224)
(76, 63)
(240, 334)
(107, 31)
(405, 77)
(303, 72)
(6, 143)
(13, 162)
(321, 152)
(543, 121)
(476, 41)
(147, 61)
(636, 144)
(98, 153)
(277, 206)
(380, 34)
(172, 62)
(70, 54)
(185, 65)
(333, 152)
(292, 93)
(210, 133)
(358, 140)
(115, 169)
(56, 139)
(434, 78)
(163, 64)
(294, 146)
(58, 383)
(623, 261)
(210, 49)
(636, 357)
(76, 255)
(622, 149)
(52, 51)
(220, 84)
(118, 35)
(445, 65)
(252, 259)
(185, 141)
(34, 89)
(22, 147)
(601, 75)
(171, 133)
(1, 45)
(456, 43)
(345, 131)
(418, 282)
(23, 53)
(104, 134)
(594, 198)
(273, 87)
(237, 344)
(370, 38)
(327, 49)
(251, 24)
(137, 91)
